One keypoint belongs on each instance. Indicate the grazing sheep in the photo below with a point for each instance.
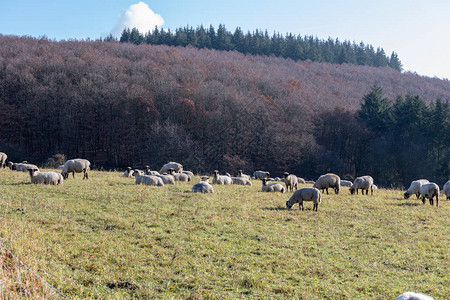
(77, 165)
(291, 181)
(346, 183)
(305, 194)
(414, 188)
(413, 296)
(21, 167)
(329, 180)
(261, 174)
(45, 177)
(128, 172)
(221, 179)
(203, 186)
(271, 187)
(241, 181)
(301, 180)
(365, 183)
(446, 189)
(429, 190)
(177, 167)
(3, 158)
(242, 175)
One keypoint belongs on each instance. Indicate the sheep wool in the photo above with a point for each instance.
(305, 194)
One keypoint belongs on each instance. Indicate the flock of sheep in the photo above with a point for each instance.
(173, 171)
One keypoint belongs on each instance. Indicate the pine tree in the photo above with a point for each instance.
(394, 62)
(375, 110)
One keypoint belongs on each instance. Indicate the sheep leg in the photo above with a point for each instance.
(367, 192)
(327, 191)
(437, 200)
(423, 199)
(316, 205)
(300, 206)
(73, 174)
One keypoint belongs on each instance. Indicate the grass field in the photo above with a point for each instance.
(107, 238)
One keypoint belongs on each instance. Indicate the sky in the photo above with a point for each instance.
(418, 31)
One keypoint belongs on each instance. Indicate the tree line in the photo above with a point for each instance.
(120, 105)
(260, 42)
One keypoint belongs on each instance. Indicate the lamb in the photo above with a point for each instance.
(178, 168)
(328, 180)
(346, 183)
(429, 190)
(241, 181)
(291, 181)
(148, 179)
(446, 189)
(21, 167)
(203, 186)
(261, 174)
(77, 165)
(365, 183)
(271, 187)
(3, 158)
(414, 188)
(45, 177)
(413, 296)
(305, 194)
(242, 175)
(221, 179)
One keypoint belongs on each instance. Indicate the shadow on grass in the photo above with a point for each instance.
(18, 183)
(275, 208)
(408, 204)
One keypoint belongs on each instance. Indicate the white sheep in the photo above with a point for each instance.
(346, 183)
(128, 172)
(148, 179)
(301, 180)
(271, 187)
(77, 165)
(305, 194)
(148, 171)
(413, 296)
(166, 178)
(188, 173)
(428, 191)
(3, 158)
(177, 167)
(242, 175)
(221, 179)
(446, 189)
(203, 186)
(328, 180)
(241, 181)
(21, 167)
(291, 181)
(414, 188)
(261, 174)
(364, 183)
(45, 177)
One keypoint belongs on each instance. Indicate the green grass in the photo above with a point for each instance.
(107, 238)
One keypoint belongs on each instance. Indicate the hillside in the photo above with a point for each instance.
(125, 105)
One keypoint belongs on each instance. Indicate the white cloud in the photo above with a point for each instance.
(138, 16)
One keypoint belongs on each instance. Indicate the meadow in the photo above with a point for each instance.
(106, 238)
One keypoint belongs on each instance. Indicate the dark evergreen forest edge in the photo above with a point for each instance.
(290, 46)
(120, 104)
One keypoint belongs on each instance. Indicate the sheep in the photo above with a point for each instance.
(446, 189)
(363, 183)
(221, 179)
(261, 174)
(374, 187)
(128, 172)
(148, 171)
(271, 187)
(174, 165)
(277, 179)
(414, 188)
(77, 165)
(429, 190)
(242, 175)
(327, 181)
(203, 186)
(301, 180)
(179, 176)
(413, 296)
(45, 177)
(188, 173)
(147, 179)
(241, 181)
(346, 183)
(21, 167)
(305, 194)
(167, 178)
(3, 158)
(291, 181)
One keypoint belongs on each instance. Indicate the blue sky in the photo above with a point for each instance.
(419, 31)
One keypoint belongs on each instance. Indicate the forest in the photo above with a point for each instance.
(290, 46)
(121, 104)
